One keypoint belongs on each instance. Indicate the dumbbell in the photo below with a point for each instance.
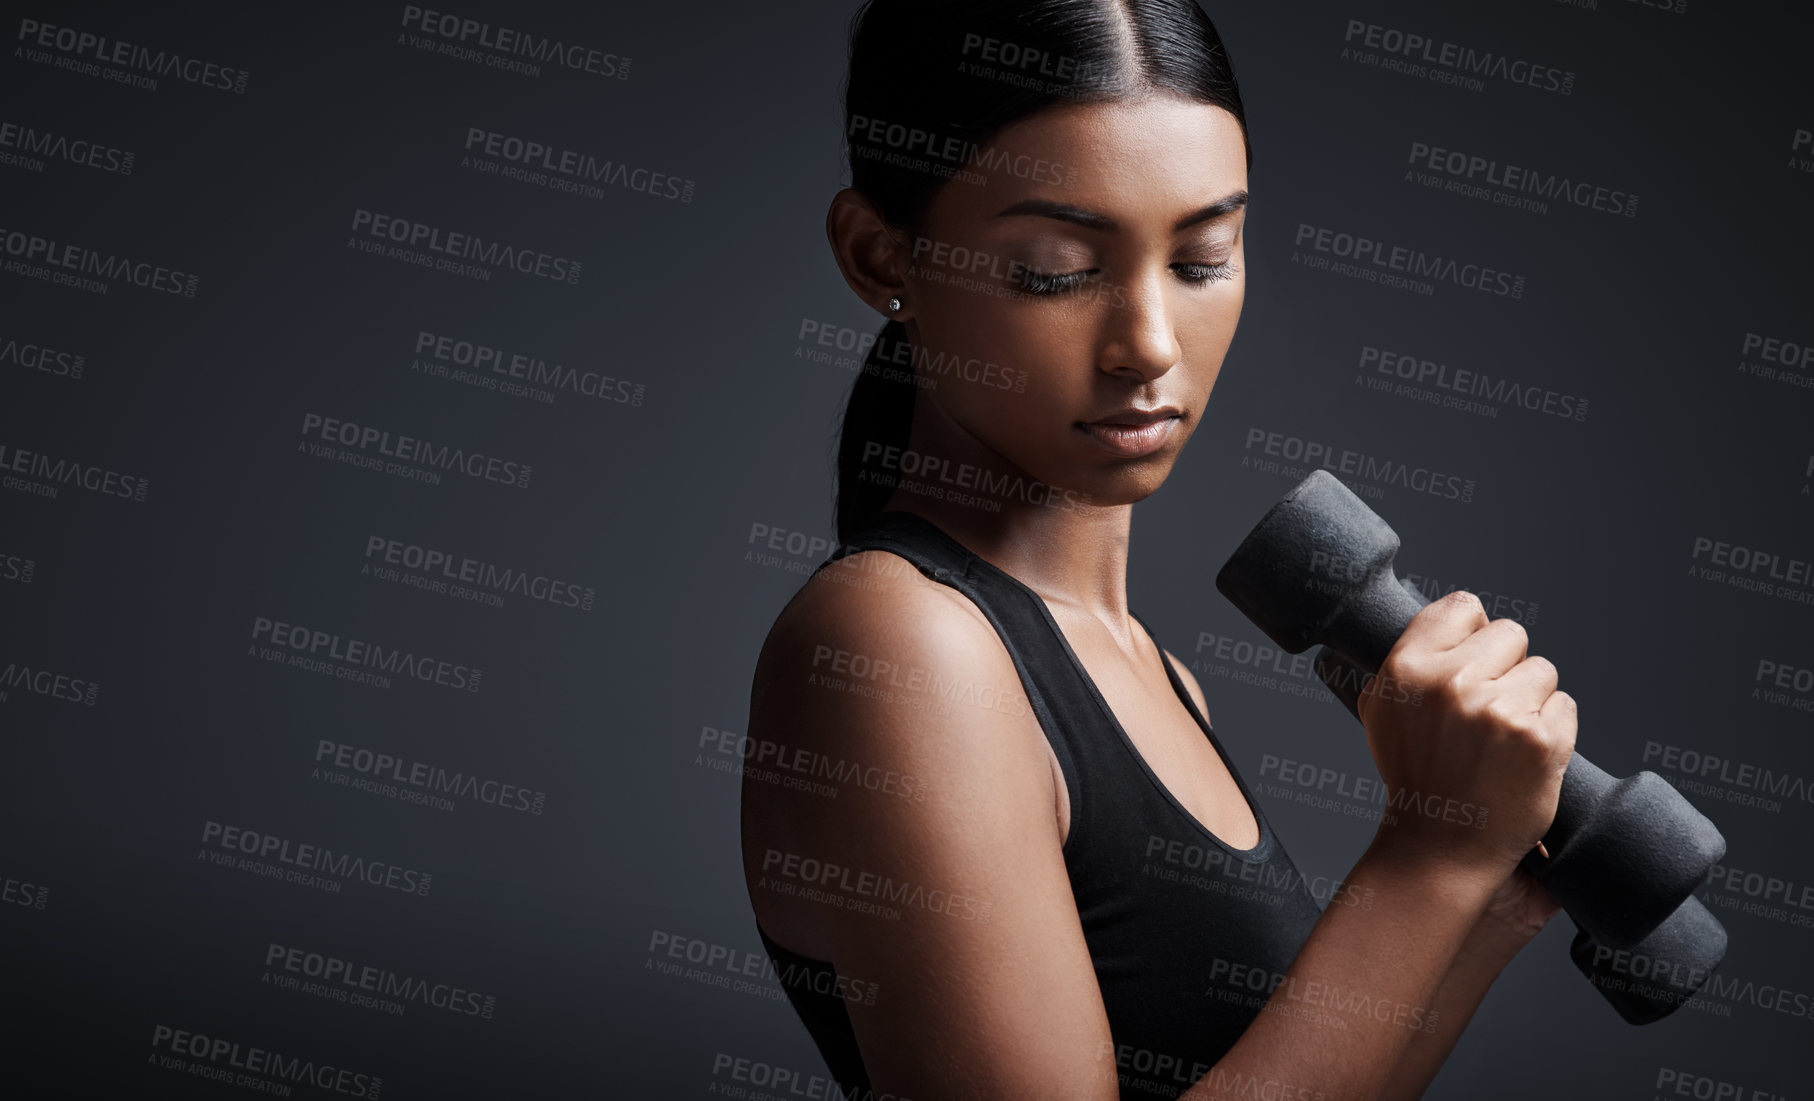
(1625, 855)
(1648, 980)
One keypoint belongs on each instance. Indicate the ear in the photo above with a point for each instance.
(871, 254)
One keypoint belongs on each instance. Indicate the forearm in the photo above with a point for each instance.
(1364, 987)
(1483, 956)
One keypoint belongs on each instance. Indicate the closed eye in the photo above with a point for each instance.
(1039, 282)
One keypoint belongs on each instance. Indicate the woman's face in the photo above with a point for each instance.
(1101, 262)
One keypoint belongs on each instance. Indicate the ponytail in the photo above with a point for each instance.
(877, 416)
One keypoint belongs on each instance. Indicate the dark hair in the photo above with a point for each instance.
(931, 81)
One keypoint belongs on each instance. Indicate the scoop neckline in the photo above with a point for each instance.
(1262, 849)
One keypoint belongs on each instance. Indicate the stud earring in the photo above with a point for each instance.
(894, 305)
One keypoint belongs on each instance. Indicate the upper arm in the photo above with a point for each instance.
(1190, 684)
(954, 902)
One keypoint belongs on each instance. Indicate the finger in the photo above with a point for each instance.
(1446, 622)
(1494, 649)
(1559, 714)
(1528, 685)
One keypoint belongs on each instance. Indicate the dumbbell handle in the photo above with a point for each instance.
(1361, 637)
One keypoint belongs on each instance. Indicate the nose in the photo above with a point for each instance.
(1137, 339)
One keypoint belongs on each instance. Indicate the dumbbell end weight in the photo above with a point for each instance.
(1658, 975)
(1295, 575)
(1637, 831)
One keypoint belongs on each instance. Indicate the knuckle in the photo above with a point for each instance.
(1400, 665)
(1502, 714)
(1406, 667)
(1465, 600)
(1531, 736)
(1452, 689)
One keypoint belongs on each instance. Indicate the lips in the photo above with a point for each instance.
(1132, 433)
(1135, 417)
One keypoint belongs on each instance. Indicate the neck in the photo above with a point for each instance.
(1071, 552)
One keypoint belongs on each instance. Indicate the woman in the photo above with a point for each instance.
(999, 851)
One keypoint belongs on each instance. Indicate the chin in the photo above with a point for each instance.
(1128, 483)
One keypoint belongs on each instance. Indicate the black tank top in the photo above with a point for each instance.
(1188, 936)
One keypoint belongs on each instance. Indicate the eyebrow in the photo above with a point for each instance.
(1090, 219)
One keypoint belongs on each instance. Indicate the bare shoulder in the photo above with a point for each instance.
(874, 669)
(898, 821)
(878, 593)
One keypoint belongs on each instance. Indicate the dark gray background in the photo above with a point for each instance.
(653, 504)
